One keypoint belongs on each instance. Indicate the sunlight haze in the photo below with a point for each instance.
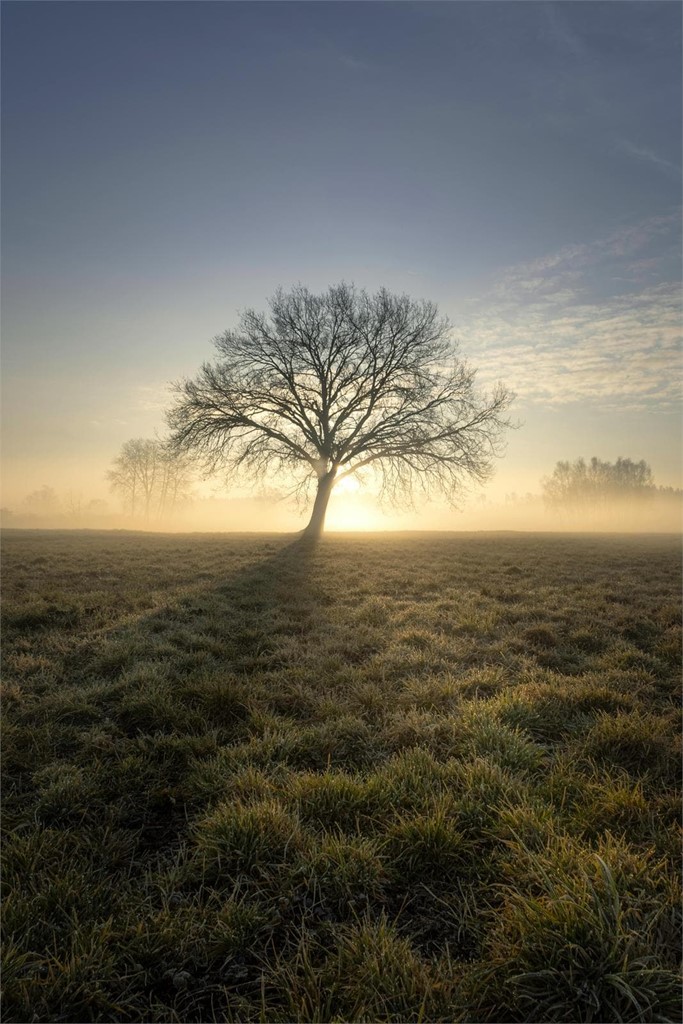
(168, 165)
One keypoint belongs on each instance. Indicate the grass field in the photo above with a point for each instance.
(390, 778)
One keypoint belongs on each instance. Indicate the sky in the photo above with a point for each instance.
(168, 164)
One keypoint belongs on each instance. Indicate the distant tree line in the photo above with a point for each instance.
(45, 503)
(589, 486)
(152, 480)
(46, 507)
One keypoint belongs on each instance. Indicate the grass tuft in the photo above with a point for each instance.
(579, 948)
(256, 840)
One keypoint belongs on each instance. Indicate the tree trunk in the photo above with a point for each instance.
(322, 497)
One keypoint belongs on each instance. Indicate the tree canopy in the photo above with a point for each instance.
(324, 386)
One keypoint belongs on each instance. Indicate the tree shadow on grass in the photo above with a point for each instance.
(241, 616)
(152, 697)
(223, 625)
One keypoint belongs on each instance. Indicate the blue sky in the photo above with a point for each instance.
(166, 164)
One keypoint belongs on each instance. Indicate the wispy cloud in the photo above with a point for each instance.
(351, 63)
(562, 34)
(647, 155)
(151, 397)
(584, 324)
(328, 55)
(573, 260)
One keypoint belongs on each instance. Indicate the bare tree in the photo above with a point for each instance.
(130, 475)
(151, 479)
(74, 504)
(325, 386)
(174, 480)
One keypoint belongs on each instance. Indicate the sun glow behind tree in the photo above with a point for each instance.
(328, 387)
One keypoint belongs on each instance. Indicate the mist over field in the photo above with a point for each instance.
(362, 513)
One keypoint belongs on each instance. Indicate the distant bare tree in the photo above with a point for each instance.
(97, 506)
(74, 504)
(174, 480)
(151, 479)
(328, 385)
(43, 502)
(133, 475)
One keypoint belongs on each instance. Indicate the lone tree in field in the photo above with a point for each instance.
(326, 385)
